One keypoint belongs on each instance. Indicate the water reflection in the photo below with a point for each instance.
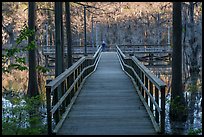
(162, 69)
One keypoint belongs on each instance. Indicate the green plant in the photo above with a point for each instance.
(24, 117)
(195, 131)
(177, 109)
(20, 62)
(192, 88)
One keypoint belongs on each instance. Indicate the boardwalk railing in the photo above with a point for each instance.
(145, 48)
(50, 50)
(150, 89)
(63, 90)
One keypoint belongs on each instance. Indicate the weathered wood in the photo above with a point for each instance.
(158, 118)
(58, 80)
(107, 104)
(59, 102)
(142, 86)
(58, 126)
(157, 82)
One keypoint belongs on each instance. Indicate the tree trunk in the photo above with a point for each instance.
(58, 39)
(58, 55)
(69, 38)
(50, 24)
(178, 104)
(194, 67)
(62, 37)
(32, 82)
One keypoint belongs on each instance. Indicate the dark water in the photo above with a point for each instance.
(194, 120)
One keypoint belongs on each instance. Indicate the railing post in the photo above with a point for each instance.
(146, 85)
(163, 109)
(55, 100)
(75, 76)
(49, 114)
(151, 92)
(157, 101)
(62, 93)
(142, 79)
(80, 70)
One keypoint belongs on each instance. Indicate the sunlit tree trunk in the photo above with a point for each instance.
(178, 105)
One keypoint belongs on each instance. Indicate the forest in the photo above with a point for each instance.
(30, 27)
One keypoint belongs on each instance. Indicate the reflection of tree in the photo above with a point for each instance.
(192, 50)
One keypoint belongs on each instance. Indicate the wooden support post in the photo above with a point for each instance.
(146, 85)
(163, 109)
(55, 100)
(151, 92)
(69, 82)
(72, 78)
(142, 79)
(157, 101)
(63, 92)
(49, 114)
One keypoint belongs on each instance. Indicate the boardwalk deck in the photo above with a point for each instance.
(107, 104)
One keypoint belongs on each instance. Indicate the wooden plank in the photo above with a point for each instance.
(107, 104)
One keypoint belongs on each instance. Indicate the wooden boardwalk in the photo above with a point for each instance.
(107, 104)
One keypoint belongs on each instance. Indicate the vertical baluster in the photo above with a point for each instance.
(140, 86)
(157, 101)
(137, 71)
(80, 70)
(65, 89)
(146, 85)
(151, 92)
(82, 65)
(49, 114)
(163, 109)
(55, 100)
(131, 64)
(142, 79)
(85, 64)
(68, 99)
(73, 79)
(63, 92)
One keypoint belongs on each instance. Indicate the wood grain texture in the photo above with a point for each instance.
(107, 104)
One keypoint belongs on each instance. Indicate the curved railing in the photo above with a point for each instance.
(62, 91)
(150, 88)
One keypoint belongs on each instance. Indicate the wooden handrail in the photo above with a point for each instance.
(154, 79)
(142, 77)
(142, 45)
(58, 80)
(78, 72)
